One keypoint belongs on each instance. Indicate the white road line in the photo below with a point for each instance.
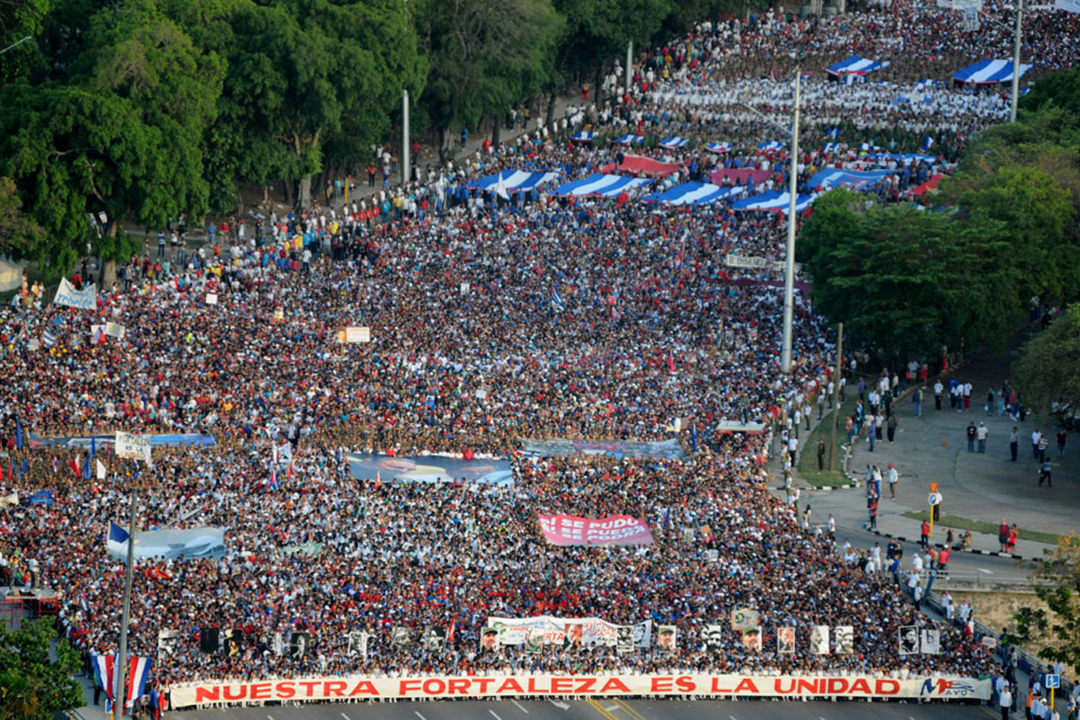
(984, 570)
(494, 715)
(345, 716)
(610, 708)
(420, 716)
(520, 707)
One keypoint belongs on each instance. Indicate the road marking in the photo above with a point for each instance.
(520, 706)
(984, 570)
(560, 705)
(420, 716)
(629, 710)
(345, 716)
(496, 716)
(612, 708)
(600, 709)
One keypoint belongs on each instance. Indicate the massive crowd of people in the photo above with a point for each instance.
(490, 321)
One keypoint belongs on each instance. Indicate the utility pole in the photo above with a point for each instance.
(121, 665)
(1016, 59)
(836, 395)
(404, 137)
(629, 64)
(789, 262)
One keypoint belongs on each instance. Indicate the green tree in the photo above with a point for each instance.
(32, 686)
(1049, 368)
(909, 282)
(1056, 631)
(485, 56)
(18, 233)
(302, 71)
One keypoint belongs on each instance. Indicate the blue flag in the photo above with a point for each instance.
(693, 438)
(18, 434)
(927, 143)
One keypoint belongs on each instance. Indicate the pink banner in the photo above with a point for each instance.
(612, 530)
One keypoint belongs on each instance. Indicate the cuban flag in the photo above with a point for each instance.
(48, 339)
(104, 665)
(927, 143)
(138, 673)
(84, 604)
(55, 464)
(834, 133)
(90, 460)
(556, 300)
(272, 483)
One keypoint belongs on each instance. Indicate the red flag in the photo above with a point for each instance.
(378, 480)
(450, 632)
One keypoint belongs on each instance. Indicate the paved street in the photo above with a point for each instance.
(605, 709)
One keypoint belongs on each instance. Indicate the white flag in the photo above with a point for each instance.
(500, 189)
(100, 470)
(1072, 6)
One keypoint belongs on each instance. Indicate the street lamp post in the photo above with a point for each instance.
(789, 261)
(1016, 59)
(14, 44)
(125, 617)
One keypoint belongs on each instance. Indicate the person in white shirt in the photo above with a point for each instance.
(1005, 702)
(938, 390)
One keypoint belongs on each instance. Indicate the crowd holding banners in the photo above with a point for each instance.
(590, 322)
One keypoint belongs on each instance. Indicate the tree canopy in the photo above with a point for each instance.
(32, 686)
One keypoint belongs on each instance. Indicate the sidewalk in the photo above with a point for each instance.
(982, 487)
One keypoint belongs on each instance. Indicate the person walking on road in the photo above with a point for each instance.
(1062, 438)
(893, 478)
(1003, 534)
(821, 455)
(938, 389)
(982, 434)
(971, 431)
(1044, 473)
(890, 426)
(1005, 703)
(916, 398)
(1036, 436)
(1014, 443)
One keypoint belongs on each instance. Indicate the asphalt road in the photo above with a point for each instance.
(600, 709)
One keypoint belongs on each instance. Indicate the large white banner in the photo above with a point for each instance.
(585, 686)
(66, 294)
(750, 261)
(133, 446)
(1072, 6)
(547, 630)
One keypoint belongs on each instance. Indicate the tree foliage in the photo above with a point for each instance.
(1049, 369)
(33, 687)
(1058, 631)
(908, 282)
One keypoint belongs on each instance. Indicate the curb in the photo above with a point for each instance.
(972, 551)
(830, 488)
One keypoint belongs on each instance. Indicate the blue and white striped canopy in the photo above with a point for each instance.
(583, 136)
(693, 193)
(630, 140)
(772, 145)
(718, 147)
(856, 65)
(773, 201)
(514, 180)
(673, 142)
(989, 71)
(600, 184)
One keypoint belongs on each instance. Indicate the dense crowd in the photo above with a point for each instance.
(490, 321)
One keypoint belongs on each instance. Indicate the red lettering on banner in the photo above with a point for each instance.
(717, 689)
(778, 686)
(886, 687)
(614, 684)
(746, 684)
(309, 687)
(363, 688)
(407, 686)
(836, 686)
(458, 686)
(534, 689)
(207, 694)
(508, 685)
(585, 685)
(663, 684)
(334, 688)
(807, 687)
(235, 694)
(560, 686)
(860, 685)
(685, 684)
(284, 690)
(484, 683)
(434, 686)
(260, 691)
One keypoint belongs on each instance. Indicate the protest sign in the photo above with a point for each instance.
(611, 530)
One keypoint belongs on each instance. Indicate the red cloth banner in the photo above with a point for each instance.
(611, 530)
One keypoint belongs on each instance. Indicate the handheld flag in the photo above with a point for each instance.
(55, 464)
(101, 470)
(18, 434)
(834, 133)
(500, 188)
(927, 143)
(556, 300)
(378, 479)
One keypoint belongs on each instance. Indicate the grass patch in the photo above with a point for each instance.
(807, 466)
(960, 523)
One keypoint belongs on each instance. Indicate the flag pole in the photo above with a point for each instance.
(1016, 59)
(124, 617)
(789, 261)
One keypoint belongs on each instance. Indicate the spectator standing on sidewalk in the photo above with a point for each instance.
(890, 426)
(1003, 534)
(1014, 443)
(916, 398)
(893, 478)
(1062, 438)
(821, 455)
(938, 389)
(982, 433)
(1005, 703)
(971, 432)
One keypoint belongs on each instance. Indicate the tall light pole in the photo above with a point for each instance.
(404, 137)
(1016, 59)
(629, 64)
(121, 665)
(789, 261)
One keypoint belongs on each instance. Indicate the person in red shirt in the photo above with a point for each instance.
(925, 541)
